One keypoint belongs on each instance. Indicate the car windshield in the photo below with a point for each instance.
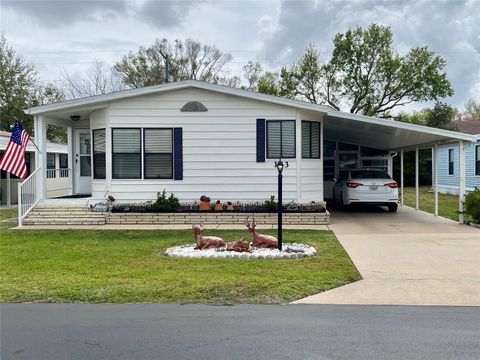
(369, 174)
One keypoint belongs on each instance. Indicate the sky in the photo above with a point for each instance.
(69, 35)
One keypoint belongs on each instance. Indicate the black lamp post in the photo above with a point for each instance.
(280, 166)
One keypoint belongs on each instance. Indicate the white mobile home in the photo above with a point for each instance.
(193, 138)
(449, 161)
(56, 174)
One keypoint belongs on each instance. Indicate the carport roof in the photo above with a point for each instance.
(386, 134)
(342, 126)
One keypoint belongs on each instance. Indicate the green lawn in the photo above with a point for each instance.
(447, 204)
(129, 266)
(7, 214)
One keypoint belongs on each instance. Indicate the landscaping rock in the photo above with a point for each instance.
(290, 251)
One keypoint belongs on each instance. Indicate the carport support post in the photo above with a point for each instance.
(416, 178)
(401, 176)
(461, 195)
(435, 178)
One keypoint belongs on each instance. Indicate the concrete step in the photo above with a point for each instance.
(70, 221)
(58, 209)
(65, 215)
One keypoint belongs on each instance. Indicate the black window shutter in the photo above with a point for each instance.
(260, 140)
(178, 153)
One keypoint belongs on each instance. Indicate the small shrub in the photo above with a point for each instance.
(271, 205)
(472, 204)
(166, 204)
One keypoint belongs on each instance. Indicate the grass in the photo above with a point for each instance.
(129, 267)
(447, 204)
(7, 214)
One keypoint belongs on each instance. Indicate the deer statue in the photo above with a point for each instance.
(259, 240)
(206, 242)
(239, 246)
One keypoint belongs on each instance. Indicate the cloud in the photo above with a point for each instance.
(448, 27)
(54, 13)
(166, 13)
(61, 13)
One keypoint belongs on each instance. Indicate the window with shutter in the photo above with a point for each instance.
(281, 139)
(310, 140)
(99, 149)
(158, 157)
(126, 153)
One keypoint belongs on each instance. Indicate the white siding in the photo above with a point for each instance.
(450, 183)
(219, 149)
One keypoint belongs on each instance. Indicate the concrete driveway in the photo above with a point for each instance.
(406, 258)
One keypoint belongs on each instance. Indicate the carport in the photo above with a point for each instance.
(396, 138)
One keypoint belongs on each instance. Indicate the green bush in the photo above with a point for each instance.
(271, 205)
(472, 204)
(166, 204)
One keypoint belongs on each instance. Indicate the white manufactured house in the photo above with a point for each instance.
(449, 161)
(57, 171)
(192, 138)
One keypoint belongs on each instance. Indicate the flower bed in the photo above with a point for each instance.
(249, 207)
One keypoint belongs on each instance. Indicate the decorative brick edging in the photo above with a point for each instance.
(216, 218)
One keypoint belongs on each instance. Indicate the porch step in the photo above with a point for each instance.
(64, 215)
(69, 221)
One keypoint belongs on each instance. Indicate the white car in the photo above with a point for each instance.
(366, 186)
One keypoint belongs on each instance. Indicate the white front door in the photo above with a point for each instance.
(83, 162)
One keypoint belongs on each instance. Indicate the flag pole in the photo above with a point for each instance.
(35, 145)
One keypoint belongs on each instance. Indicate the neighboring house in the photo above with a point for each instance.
(449, 158)
(57, 173)
(193, 138)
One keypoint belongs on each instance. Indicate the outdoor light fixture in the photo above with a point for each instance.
(280, 165)
(75, 117)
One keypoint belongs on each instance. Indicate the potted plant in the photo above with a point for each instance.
(204, 203)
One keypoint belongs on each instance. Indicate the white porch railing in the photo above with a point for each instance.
(27, 195)
(59, 182)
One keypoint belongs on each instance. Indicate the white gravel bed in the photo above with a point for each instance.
(290, 251)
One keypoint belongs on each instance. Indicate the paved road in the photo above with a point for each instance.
(406, 258)
(77, 331)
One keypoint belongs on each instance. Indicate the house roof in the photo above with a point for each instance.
(468, 126)
(343, 126)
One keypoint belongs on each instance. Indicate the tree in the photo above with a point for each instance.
(268, 83)
(472, 110)
(252, 72)
(18, 87)
(184, 60)
(365, 73)
(97, 80)
(441, 116)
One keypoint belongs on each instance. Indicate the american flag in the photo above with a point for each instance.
(13, 159)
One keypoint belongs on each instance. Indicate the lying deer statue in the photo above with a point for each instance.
(259, 240)
(240, 246)
(206, 242)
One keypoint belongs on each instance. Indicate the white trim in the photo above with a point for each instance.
(417, 202)
(298, 151)
(435, 181)
(462, 178)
